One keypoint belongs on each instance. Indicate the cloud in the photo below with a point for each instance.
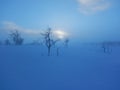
(92, 6)
(11, 26)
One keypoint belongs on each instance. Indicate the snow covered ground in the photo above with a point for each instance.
(84, 67)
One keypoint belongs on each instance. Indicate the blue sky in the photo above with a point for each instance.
(84, 20)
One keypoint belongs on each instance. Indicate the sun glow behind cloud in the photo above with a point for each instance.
(60, 34)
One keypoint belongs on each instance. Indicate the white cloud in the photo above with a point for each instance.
(11, 26)
(92, 6)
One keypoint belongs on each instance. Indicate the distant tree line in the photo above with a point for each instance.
(107, 45)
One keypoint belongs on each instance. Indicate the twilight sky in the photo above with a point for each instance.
(84, 20)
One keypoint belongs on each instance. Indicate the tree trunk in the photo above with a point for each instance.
(57, 51)
(48, 51)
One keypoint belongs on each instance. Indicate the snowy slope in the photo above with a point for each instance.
(77, 68)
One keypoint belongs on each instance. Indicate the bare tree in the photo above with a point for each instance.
(57, 51)
(66, 42)
(16, 38)
(49, 40)
(7, 42)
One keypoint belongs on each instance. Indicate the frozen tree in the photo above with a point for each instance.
(16, 38)
(7, 42)
(66, 41)
(49, 40)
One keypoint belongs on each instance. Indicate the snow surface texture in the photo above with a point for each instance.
(76, 68)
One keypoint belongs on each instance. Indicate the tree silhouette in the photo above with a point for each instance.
(16, 38)
(49, 40)
(66, 42)
(7, 42)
